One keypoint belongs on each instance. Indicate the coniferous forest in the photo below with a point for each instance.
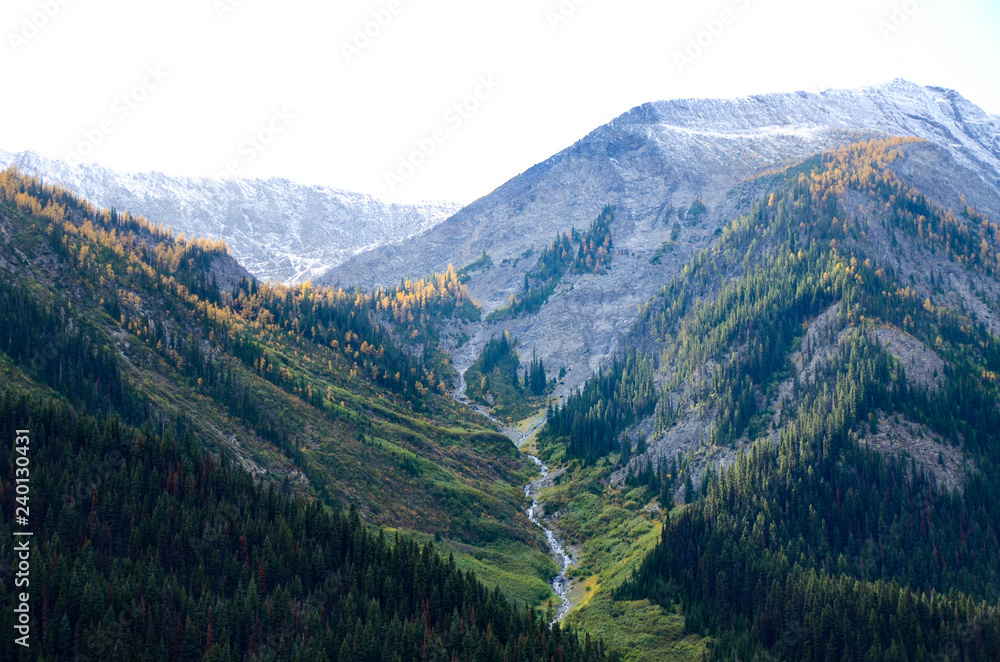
(791, 455)
(809, 544)
(148, 548)
(155, 541)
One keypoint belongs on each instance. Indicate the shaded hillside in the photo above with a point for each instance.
(191, 435)
(305, 388)
(146, 547)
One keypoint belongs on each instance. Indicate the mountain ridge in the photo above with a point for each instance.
(801, 421)
(653, 163)
(276, 228)
(774, 116)
(800, 345)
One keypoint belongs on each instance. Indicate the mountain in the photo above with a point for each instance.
(751, 346)
(306, 389)
(795, 453)
(653, 164)
(277, 229)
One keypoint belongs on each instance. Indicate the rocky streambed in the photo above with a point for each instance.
(561, 582)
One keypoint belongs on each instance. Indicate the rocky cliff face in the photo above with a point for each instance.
(277, 229)
(653, 162)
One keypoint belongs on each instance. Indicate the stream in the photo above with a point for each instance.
(561, 582)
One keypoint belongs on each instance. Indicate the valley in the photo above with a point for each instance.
(719, 382)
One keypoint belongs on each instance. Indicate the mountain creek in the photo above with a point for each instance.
(520, 436)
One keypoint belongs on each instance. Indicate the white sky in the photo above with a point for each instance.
(230, 64)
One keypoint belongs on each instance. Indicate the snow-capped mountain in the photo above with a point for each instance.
(652, 162)
(277, 229)
(666, 153)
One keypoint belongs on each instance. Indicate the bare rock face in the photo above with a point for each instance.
(651, 163)
(923, 366)
(903, 439)
(277, 229)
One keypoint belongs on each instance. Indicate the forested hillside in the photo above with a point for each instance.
(494, 379)
(828, 414)
(148, 548)
(793, 456)
(318, 392)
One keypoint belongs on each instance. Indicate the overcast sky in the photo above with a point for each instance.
(434, 99)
